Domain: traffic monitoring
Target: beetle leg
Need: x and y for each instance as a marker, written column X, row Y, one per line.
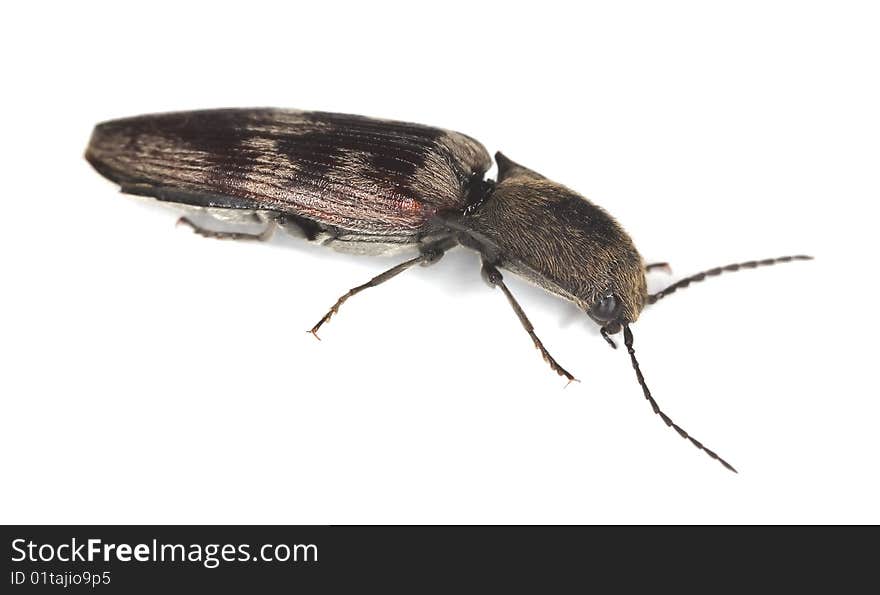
column 663, row 266
column 263, row 236
column 429, row 255
column 493, row 277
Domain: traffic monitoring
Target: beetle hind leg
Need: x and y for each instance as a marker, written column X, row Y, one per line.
column 429, row 254
column 493, row 277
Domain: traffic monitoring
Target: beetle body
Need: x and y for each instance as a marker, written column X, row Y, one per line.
column 367, row 185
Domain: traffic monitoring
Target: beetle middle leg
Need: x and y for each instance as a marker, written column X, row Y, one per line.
column 493, row 277
column 429, row 255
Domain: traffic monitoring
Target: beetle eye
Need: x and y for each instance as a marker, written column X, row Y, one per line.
column 606, row 308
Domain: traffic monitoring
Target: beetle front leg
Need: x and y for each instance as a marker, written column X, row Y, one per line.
column 262, row 236
column 429, row 255
column 494, row 278
column 663, row 266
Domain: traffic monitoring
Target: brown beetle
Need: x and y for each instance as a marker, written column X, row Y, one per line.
column 369, row 186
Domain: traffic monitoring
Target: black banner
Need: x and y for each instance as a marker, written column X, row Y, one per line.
column 126, row 559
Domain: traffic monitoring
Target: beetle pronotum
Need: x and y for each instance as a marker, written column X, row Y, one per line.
column 374, row 186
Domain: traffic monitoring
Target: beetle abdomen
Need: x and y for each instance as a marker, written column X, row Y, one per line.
column 373, row 177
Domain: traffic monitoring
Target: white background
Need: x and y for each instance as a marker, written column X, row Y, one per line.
column 151, row 375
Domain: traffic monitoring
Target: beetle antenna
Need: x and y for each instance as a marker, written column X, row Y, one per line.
column 725, row 269
column 628, row 341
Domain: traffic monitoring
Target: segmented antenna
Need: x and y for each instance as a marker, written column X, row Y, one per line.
column 725, row 269
column 628, row 341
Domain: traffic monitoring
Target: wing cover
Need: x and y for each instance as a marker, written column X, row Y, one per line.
column 370, row 176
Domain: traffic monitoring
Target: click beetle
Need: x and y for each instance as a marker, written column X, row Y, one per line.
column 370, row 186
